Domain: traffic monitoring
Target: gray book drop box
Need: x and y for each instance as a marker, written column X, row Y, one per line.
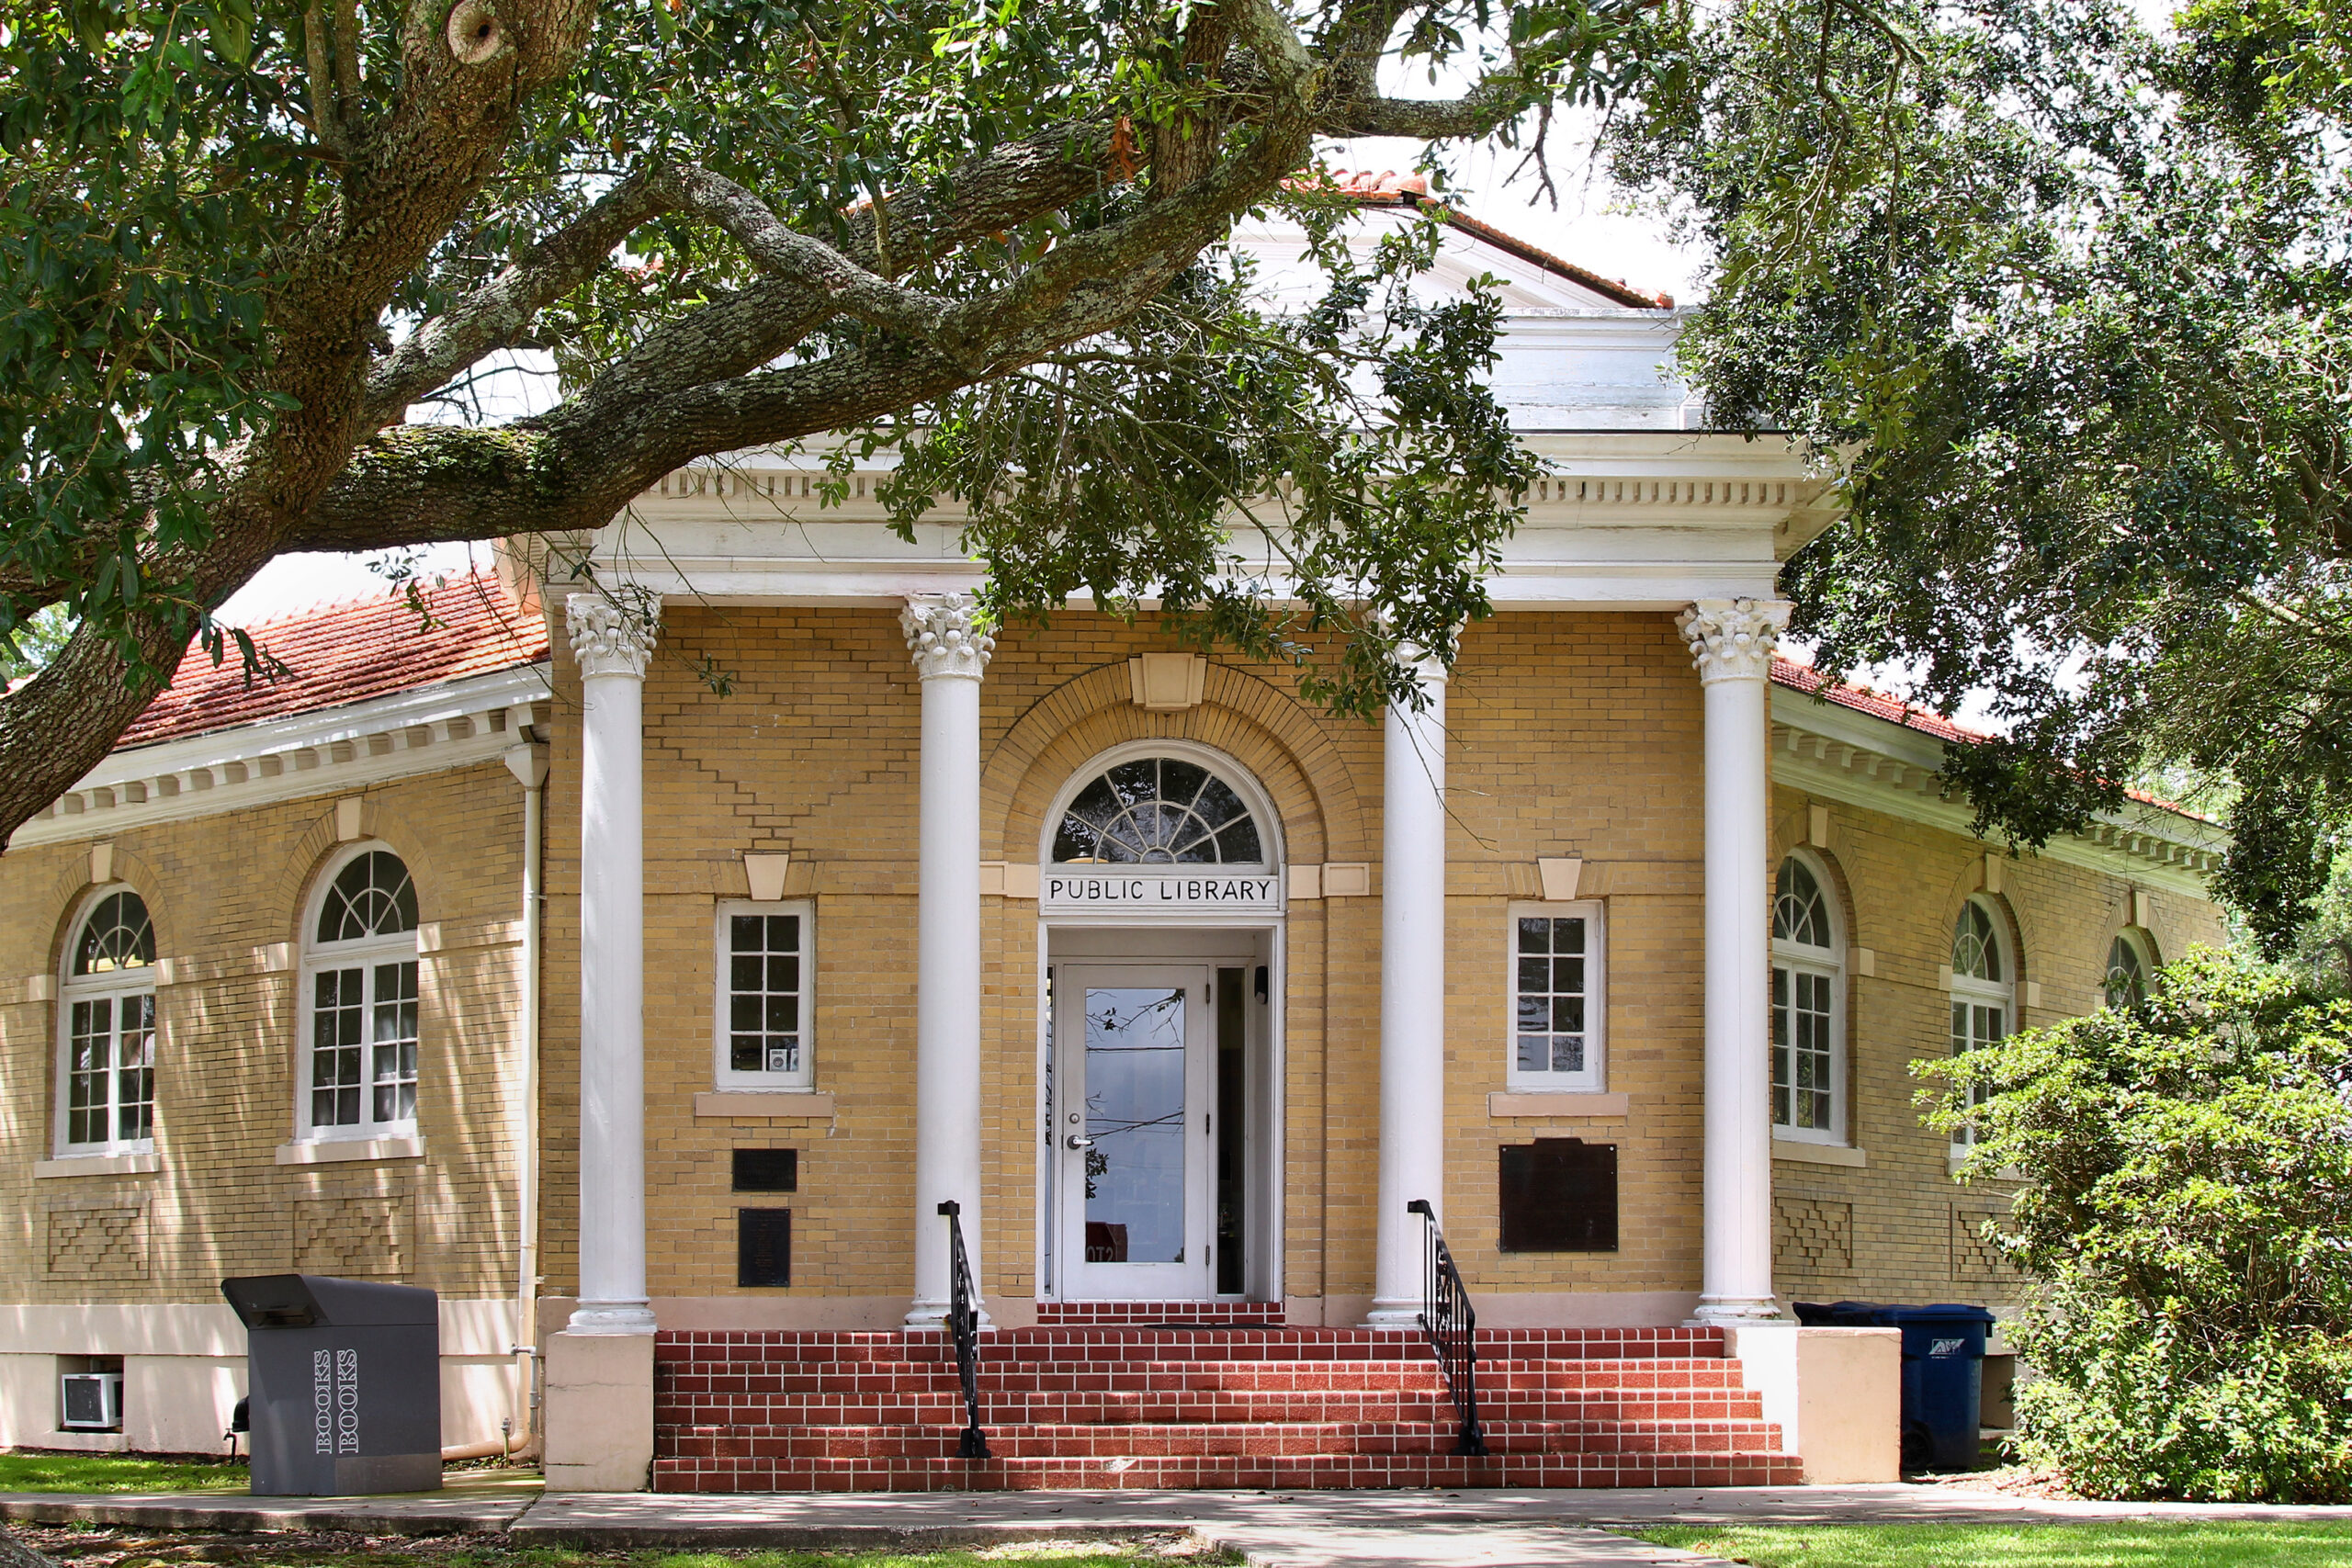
column 344, row 1381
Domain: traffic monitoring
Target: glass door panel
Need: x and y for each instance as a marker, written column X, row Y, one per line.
column 1132, row 1070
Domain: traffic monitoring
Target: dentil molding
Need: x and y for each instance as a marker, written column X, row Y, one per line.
column 945, row 638
column 1732, row 640
column 607, row 639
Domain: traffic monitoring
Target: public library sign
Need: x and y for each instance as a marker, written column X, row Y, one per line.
column 1142, row 892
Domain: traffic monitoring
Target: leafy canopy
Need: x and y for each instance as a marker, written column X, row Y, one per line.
column 2185, row 1169
column 2075, row 300
column 253, row 244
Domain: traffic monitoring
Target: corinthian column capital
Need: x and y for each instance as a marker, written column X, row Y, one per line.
column 1732, row 640
column 945, row 638
column 607, row 639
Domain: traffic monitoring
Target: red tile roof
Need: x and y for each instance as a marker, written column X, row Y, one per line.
column 347, row 652
column 1878, row 704
column 1927, row 721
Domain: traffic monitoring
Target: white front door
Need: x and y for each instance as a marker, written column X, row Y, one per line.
column 1134, row 1066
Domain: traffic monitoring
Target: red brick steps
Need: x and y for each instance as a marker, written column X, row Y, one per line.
column 1109, row 1394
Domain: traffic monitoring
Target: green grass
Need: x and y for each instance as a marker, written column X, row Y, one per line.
column 116, row 1473
column 2187, row 1544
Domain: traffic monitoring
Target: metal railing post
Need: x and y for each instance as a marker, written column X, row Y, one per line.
column 1452, row 1325
column 964, row 1323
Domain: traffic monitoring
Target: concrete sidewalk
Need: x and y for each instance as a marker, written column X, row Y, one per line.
column 1278, row 1529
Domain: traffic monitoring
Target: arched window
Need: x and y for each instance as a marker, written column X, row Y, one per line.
column 1808, row 1007
column 1982, row 990
column 2127, row 970
column 1159, row 810
column 106, row 1087
column 359, row 980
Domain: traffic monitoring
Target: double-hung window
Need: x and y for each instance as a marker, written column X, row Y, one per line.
column 1808, row 1008
column 1558, row 998
column 1983, row 996
column 765, row 996
column 107, row 1028
column 359, row 1056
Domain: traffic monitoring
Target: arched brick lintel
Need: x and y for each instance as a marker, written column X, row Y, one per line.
column 1281, row 740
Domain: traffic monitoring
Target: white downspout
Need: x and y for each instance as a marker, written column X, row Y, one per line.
column 529, row 763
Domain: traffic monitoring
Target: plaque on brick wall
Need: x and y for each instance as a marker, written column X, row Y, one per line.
column 767, row 1170
column 763, row 1247
column 1559, row 1195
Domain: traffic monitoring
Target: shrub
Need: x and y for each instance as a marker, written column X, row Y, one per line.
column 2185, row 1214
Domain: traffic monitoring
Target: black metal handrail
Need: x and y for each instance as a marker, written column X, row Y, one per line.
column 964, row 1323
column 1452, row 1325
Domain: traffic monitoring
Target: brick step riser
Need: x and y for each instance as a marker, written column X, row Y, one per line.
column 1286, row 1343
column 1553, row 1374
column 946, row 1406
column 1200, row 1383
column 1336, row 1440
column 1252, row 1473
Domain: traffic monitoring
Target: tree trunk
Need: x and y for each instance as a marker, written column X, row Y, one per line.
column 15, row 1553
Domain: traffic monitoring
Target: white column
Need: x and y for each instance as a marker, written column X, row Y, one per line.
column 950, row 652
column 612, row 648
column 1731, row 642
column 1412, row 995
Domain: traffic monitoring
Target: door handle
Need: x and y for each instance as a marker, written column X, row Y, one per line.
column 1075, row 1142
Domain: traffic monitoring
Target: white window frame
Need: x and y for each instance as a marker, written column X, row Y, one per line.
column 1595, row 1076
column 114, row 989
column 723, row 1073
column 1966, row 990
column 1829, row 964
column 365, row 955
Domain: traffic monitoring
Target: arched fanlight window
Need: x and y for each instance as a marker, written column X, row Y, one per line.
column 2126, row 972
column 371, row 896
column 1983, row 1007
column 1808, row 1007
column 1975, row 945
column 359, row 1068
column 107, row 1036
column 1159, row 810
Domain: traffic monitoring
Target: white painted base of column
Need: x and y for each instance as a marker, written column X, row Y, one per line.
column 934, row 1315
column 1735, row 1312
column 612, row 1317
column 599, row 1412
column 1391, row 1315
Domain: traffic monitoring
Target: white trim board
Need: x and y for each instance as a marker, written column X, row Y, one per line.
column 1879, row 765
column 435, row 728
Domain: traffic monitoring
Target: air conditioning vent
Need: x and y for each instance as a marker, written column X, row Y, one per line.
column 92, row 1401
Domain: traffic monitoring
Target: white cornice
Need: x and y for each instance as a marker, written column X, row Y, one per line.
column 1620, row 519
column 455, row 724
column 1879, row 765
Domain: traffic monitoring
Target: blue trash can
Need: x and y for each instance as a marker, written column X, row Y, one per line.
column 1943, row 1366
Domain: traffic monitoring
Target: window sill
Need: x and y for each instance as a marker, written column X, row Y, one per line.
column 98, row 1165
column 1529, row 1102
column 776, row 1104
column 331, row 1151
column 1807, row 1152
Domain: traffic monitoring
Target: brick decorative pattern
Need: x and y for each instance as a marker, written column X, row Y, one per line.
column 93, row 1246
column 1815, row 1234
column 358, row 1236
column 1974, row 1254
column 1244, row 1407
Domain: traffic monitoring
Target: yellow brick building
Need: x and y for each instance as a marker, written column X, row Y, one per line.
column 1179, row 987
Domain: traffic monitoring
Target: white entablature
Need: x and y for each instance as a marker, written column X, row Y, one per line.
column 1620, row 519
